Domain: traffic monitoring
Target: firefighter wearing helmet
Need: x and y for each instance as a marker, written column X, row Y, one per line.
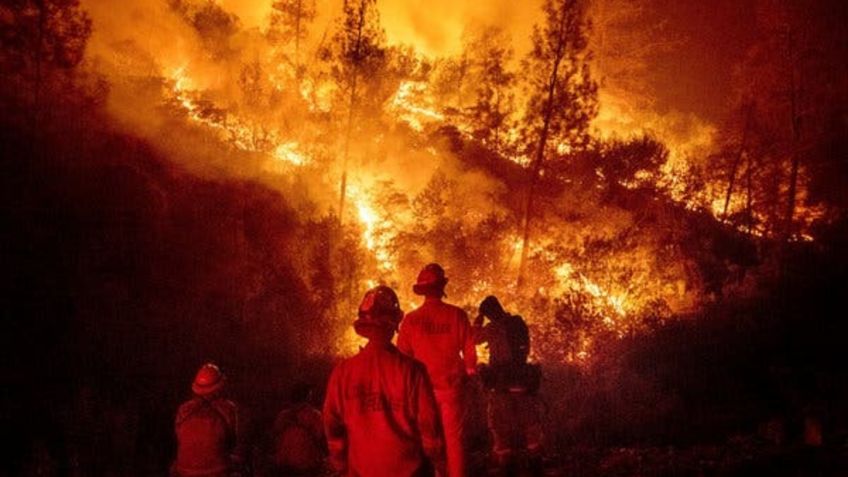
column 512, row 386
column 439, row 335
column 380, row 415
column 207, row 429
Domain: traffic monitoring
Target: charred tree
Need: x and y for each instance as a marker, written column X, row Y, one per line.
column 41, row 42
column 795, row 121
column 737, row 160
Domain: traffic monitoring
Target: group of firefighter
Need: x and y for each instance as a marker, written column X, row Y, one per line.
column 393, row 411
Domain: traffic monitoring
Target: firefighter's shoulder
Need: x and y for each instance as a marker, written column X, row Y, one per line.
column 341, row 367
column 412, row 315
column 457, row 311
column 410, row 321
column 226, row 405
column 187, row 408
column 404, row 359
column 413, row 365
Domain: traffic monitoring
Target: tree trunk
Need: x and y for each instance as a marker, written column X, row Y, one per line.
column 463, row 70
column 749, row 200
column 540, row 155
column 796, row 140
column 346, row 154
column 350, row 111
column 736, row 162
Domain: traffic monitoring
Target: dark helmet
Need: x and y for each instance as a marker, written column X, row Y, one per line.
column 379, row 308
column 431, row 278
column 491, row 307
column 209, row 379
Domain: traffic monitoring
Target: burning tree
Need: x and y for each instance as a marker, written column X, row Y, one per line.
column 358, row 55
column 288, row 26
column 494, row 98
column 561, row 97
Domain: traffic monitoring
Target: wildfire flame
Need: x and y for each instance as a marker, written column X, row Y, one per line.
column 617, row 300
column 287, row 152
column 410, row 106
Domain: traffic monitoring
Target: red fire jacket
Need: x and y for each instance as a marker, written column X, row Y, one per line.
column 207, row 437
column 436, row 333
column 298, row 439
column 380, row 416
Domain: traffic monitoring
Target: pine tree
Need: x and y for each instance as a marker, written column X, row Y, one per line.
column 562, row 96
column 358, row 59
column 624, row 39
column 214, row 26
column 289, row 22
column 794, row 73
column 490, row 54
column 40, row 39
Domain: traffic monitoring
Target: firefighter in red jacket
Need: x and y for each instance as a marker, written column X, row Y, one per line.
column 207, row 429
column 439, row 335
column 380, row 415
column 298, row 444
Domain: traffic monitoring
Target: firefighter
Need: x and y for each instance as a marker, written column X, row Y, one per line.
column 298, row 436
column 207, row 429
column 512, row 385
column 439, row 335
column 380, row 415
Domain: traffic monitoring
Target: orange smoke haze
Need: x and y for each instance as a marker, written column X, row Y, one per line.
column 669, row 99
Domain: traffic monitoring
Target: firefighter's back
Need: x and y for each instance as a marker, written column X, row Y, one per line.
column 298, row 438
column 434, row 334
column 204, row 431
column 375, row 391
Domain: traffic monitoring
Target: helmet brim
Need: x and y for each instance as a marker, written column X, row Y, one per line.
column 427, row 288
column 201, row 390
column 365, row 327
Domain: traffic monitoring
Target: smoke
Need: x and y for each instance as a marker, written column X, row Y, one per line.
column 138, row 37
column 148, row 39
column 686, row 135
column 436, row 28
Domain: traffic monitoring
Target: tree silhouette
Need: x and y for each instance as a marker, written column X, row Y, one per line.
column 562, row 96
column 289, row 22
column 41, row 40
column 213, row 25
column 489, row 53
column 791, row 73
column 358, row 55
